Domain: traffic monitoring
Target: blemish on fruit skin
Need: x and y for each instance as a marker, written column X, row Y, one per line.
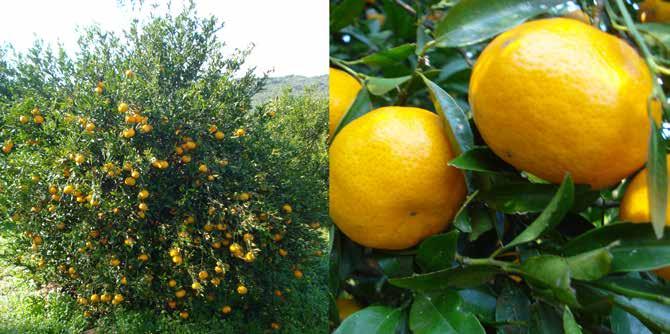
column 506, row 43
column 508, row 154
column 412, row 213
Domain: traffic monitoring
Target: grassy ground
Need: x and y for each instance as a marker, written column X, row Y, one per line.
column 25, row 309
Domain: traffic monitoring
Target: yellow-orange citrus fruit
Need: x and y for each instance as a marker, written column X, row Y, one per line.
column 556, row 95
column 655, row 11
column 343, row 89
column 345, row 307
column 664, row 272
column 634, row 207
column 123, row 107
column 390, row 183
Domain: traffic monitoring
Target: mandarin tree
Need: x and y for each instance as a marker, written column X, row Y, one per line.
column 141, row 176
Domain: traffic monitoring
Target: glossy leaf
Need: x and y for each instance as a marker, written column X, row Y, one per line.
column 396, row 266
column 479, row 302
column 441, row 312
column 637, row 248
column 513, row 306
column 619, row 283
column 657, row 180
column 344, row 13
column 545, row 319
column 591, row 265
column 361, row 106
column 462, row 218
column 552, row 272
column 651, row 314
column 371, row 320
column 623, row 322
column 402, row 23
column 570, row 325
column 473, row 21
column 437, row 252
column 454, row 117
column 381, row 86
column 530, row 197
column 481, row 221
column 551, row 216
column 481, row 159
column 390, row 57
column 459, row 277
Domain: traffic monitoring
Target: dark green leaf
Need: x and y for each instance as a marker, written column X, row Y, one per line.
column 473, row 21
column 625, row 323
column 361, row 106
column 651, row 314
column 345, row 13
column 637, row 250
column 552, row 272
column 459, row 277
column 441, row 312
column 479, row 302
column 513, row 306
column 619, row 283
column 481, row 221
column 381, row 86
column 437, row 252
column 545, row 319
column 551, row 216
column 398, row 20
column 454, row 117
column 371, row 320
column 462, row 218
column 591, row 265
column 640, row 257
column 390, row 57
column 570, row 325
column 657, row 180
column 526, row 197
column 396, row 266
column 481, row 159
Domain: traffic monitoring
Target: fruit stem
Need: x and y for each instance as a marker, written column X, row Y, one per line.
column 506, row 266
column 343, row 65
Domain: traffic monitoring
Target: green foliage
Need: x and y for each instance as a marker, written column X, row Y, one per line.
column 234, row 194
column 524, row 256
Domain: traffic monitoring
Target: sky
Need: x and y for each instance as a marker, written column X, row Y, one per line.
column 290, row 36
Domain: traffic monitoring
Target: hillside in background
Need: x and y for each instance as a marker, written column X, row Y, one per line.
column 274, row 86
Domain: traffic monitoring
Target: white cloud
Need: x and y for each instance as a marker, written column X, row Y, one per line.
column 291, row 36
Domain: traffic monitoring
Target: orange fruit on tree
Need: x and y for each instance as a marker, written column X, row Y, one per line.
column 123, row 107
column 345, row 307
column 634, row 207
column 342, row 90
column 556, row 95
column 390, row 183
column 655, row 11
